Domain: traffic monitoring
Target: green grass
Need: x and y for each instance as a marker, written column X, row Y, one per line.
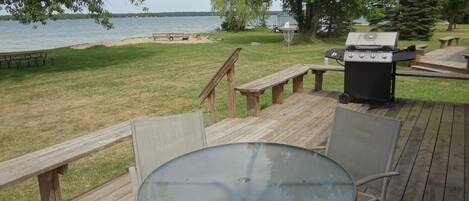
column 90, row 89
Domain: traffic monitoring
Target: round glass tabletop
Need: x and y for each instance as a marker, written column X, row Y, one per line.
column 249, row 172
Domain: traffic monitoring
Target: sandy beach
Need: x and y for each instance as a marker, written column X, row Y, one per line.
column 138, row 40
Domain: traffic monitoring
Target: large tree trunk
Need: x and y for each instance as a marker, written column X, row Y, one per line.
column 310, row 22
column 450, row 23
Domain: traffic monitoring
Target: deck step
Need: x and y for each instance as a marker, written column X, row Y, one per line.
column 430, row 69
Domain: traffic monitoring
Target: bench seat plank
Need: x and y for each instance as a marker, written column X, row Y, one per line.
column 274, row 79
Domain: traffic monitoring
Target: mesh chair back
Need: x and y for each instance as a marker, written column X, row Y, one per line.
column 364, row 144
column 157, row 140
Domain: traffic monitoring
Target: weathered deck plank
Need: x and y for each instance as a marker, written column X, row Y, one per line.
column 437, row 176
column 430, row 145
column 454, row 190
column 397, row 185
column 422, row 164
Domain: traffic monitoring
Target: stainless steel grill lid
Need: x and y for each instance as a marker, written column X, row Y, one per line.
column 372, row 41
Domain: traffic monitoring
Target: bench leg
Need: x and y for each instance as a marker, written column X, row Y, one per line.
column 467, row 62
column 298, row 84
column 277, row 94
column 253, row 103
column 318, row 77
column 450, row 42
column 49, row 185
column 442, row 44
column 457, row 41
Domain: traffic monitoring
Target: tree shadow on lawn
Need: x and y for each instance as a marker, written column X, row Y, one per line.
column 67, row 59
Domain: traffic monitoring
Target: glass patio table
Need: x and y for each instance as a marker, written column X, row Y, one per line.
column 249, row 172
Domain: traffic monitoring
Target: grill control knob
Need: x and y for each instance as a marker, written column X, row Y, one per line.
column 350, row 55
column 384, row 56
column 362, row 55
column 373, row 55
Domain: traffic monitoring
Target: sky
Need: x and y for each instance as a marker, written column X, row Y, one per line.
column 124, row 6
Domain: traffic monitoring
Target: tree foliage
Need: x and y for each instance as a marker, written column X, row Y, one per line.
column 324, row 16
column 414, row 19
column 31, row 11
column 238, row 13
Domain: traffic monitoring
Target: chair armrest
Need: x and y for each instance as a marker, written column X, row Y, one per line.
column 375, row 177
column 320, row 149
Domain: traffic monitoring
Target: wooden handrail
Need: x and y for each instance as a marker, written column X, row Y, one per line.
column 48, row 163
column 208, row 92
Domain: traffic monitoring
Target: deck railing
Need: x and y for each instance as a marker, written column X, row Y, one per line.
column 227, row 69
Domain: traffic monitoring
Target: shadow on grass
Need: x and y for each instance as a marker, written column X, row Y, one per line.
column 67, row 59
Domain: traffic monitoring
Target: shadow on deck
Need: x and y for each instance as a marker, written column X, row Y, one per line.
column 430, row 154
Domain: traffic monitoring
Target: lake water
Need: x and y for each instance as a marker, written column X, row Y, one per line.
column 18, row 37
column 15, row 36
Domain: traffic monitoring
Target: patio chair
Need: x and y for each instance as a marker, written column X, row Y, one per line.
column 156, row 140
column 364, row 145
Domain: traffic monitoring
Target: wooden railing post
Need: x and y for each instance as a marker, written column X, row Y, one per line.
column 228, row 70
column 318, row 80
column 49, row 185
column 212, row 111
column 231, row 80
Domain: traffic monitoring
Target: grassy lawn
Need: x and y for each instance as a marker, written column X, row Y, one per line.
column 90, row 89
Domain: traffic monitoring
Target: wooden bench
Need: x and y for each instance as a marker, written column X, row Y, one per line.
column 448, row 41
column 48, row 163
column 171, row 36
column 319, row 70
column 253, row 90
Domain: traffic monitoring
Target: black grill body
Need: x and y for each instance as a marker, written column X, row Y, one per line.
column 370, row 66
column 369, row 81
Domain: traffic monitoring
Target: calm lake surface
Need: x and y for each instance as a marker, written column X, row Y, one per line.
column 18, row 37
column 15, row 36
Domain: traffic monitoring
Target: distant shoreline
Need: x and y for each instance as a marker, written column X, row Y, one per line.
column 127, row 15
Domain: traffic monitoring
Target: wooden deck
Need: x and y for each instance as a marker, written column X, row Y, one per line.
column 449, row 59
column 431, row 151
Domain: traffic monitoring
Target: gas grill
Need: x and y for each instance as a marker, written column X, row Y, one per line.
column 370, row 66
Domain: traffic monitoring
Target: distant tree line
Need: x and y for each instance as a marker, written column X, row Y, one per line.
column 414, row 19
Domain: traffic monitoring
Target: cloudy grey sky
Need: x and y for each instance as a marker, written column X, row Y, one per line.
column 123, row 6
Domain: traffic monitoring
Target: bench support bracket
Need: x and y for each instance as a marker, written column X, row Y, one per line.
column 277, row 93
column 318, row 77
column 467, row 64
column 49, row 185
column 253, row 102
column 298, row 84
